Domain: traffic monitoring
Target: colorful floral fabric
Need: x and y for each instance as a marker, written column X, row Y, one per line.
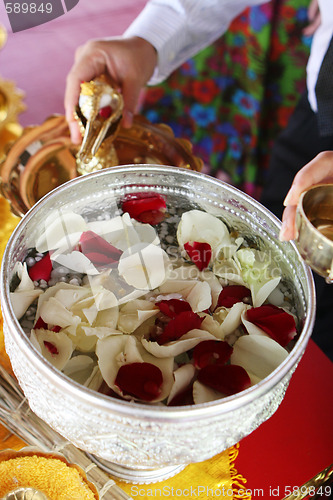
column 233, row 98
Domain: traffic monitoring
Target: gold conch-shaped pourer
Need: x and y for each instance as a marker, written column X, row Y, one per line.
column 98, row 113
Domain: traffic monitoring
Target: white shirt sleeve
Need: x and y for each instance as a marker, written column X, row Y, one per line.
column 178, row 29
column 320, row 43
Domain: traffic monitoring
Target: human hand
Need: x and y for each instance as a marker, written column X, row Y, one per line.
column 317, row 171
column 314, row 18
column 127, row 62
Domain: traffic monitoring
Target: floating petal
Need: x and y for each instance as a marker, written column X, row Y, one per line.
column 199, row 253
column 232, row 294
column 61, row 230
column 183, row 379
column 145, row 207
column 226, row 379
column 211, row 352
column 42, row 269
column 26, row 282
column 204, row 394
column 22, row 300
column 259, row 355
column 199, row 226
column 273, row 321
column 56, row 347
column 144, row 266
column 174, row 348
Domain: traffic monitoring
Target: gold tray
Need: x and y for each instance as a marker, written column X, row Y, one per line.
column 43, row 158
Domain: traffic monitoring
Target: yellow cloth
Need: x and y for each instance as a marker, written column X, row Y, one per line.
column 214, row 478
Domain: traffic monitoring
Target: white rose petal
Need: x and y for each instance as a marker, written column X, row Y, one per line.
column 144, row 266
column 234, row 318
column 204, row 394
column 22, row 300
column 134, row 313
column 200, row 297
column 113, row 352
column 258, row 355
column 62, row 344
column 196, row 225
column 75, row 261
column 175, row 347
column 26, row 283
column 183, row 377
column 61, row 230
column 53, row 312
column 259, row 297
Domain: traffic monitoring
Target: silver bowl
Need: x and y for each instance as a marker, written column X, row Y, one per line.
column 137, row 442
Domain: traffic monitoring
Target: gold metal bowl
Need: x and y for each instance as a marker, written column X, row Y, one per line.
column 314, row 221
column 43, row 158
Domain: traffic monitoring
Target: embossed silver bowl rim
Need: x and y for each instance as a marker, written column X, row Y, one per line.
column 139, row 411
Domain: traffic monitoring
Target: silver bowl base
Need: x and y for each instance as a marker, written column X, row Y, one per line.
column 136, row 476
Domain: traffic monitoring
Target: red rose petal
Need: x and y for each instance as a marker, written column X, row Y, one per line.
column 183, row 398
column 105, row 112
column 173, row 307
column 148, row 208
column 40, row 323
column 210, row 352
column 140, row 380
column 227, row 379
column 276, row 322
column 199, row 253
column 177, row 327
column 97, row 249
column 42, row 269
column 51, row 348
column 232, row 294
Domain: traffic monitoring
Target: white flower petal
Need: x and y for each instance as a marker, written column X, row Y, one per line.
column 204, row 394
column 61, row 230
column 54, row 312
column 183, row 344
column 134, row 313
column 26, row 282
column 258, row 355
column 75, row 261
column 113, row 352
column 251, row 328
column 52, row 291
column 196, row 225
column 82, row 342
column 177, row 286
column 146, row 233
column 107, row 318
column 144, row 266
column 21, row 301
column 84, row 370
column 69, row 296
column 59, row 340
column 183, row 376
column 259, row 297
column 100, row 331
column 212, row 326
column 234, row 318
column 200, row 297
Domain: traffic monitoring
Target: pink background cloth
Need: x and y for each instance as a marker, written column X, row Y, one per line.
column 37, row 60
